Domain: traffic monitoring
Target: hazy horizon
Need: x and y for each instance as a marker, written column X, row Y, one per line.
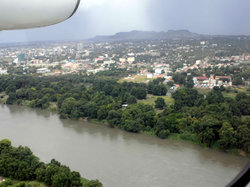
column 106, row 17
column 86, row 39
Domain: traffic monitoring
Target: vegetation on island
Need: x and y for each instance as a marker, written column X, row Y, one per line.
column 210, row 118
column 21, row 166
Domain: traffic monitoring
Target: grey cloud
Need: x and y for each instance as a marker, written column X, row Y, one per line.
column 201, row 16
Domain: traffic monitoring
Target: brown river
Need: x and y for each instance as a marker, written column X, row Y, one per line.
column 115, row 157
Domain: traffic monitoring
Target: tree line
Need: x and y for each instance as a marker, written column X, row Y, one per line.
column 19, row 163
column 209, row 119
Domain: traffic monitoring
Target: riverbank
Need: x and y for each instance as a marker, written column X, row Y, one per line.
column 29, row 169
column 115, row 157
column 214, row 119
column 194, row 140
column 187, row 137
column 15, row 183
column 190, row 138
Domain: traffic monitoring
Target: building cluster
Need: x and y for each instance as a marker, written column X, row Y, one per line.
column 148, row 58
column 212, row 81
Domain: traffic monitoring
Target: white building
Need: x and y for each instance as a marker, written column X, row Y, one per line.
column 150, row 76
column 122, row 60
column 3, row 71
column 131, row 60
column 198, row 62
column 158, row 71
column 108, row 62
column 42, row 70
column 203, row 43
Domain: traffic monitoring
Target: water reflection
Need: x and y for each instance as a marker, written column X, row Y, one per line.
column 116, row 157
column 84, row 127
column 111, row 134
column 17, row 110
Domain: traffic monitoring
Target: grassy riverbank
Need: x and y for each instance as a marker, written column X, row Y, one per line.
column 195, row 140
column 185, row 137
column 15, row 183
column 210, row 118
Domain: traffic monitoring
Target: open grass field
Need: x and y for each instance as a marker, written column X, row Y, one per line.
column 230, row 94
column 151, row 100
column 235, row 91
column 203, row 91
column 136, row 79
column 15, row 183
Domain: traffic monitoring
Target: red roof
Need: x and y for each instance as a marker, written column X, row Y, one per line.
column 159, row 76
column 223, row 77
column 201, row 78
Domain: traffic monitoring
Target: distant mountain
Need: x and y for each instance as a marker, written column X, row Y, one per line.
column 149, row 35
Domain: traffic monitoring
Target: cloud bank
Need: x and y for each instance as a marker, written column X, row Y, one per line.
column 106, row 17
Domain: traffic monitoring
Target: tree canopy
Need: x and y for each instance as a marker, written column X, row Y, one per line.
column 207, row 118
column 21, row 164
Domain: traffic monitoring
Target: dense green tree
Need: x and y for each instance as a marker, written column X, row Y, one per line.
column 67, row 108
column 227, row 136
column 215, row 96
column 160, row 103
column 94, row 183
column 179, row 78
column 237, row 80
column 170, row 83
column 207, row 136
column 158, row 81
column 150, row 87
column 207, row 118
column 160, row 128
column 244, row 106
column 139, row 92
column 11, row 99
column 243, row 134
column 114, row 118
column 240, row 96
column 131, row 100
column 186, row 97
column 131, row 125
column 20, row 164
column 208, row 129
column 102, row 113
column 4, row 145
column 159, row 90
column 189, row 83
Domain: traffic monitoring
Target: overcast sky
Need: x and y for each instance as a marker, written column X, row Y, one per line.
column 105, row 17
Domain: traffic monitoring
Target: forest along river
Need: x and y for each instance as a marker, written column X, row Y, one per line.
column 115, row 157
